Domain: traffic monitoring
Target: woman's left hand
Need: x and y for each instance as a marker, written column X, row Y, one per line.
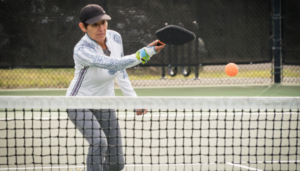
column 141, row 111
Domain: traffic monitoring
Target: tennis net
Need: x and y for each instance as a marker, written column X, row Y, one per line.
column 187, row 133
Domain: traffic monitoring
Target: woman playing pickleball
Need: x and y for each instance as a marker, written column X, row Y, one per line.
column 99, row 59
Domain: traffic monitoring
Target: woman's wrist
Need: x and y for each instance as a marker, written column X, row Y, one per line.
column 145, row 54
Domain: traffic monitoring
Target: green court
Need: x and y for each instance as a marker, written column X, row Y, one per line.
column 255, row 90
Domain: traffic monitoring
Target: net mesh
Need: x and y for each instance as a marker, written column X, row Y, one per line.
column 193, row 133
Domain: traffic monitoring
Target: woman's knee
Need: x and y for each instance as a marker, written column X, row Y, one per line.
column 99, row 142
column 99, row 145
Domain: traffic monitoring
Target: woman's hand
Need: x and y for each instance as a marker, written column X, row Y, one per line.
column 157, row 48
column 141, row 111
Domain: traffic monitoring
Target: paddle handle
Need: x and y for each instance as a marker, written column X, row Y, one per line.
column 159, row 43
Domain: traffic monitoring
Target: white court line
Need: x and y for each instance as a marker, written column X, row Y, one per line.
column 259, row 162
column 267, row 89
column 131, row 165
column 178, row 115
column 246, row 167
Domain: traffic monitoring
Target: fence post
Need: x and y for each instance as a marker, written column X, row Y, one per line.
column 277, row 40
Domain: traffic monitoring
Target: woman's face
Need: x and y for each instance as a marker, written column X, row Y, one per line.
column 97, row 31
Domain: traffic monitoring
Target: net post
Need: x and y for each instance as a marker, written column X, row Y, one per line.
column 277, row 40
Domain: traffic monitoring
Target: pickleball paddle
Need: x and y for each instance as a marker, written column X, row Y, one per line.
column 174, row 35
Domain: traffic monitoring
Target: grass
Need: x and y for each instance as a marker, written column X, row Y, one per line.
column 61, row 78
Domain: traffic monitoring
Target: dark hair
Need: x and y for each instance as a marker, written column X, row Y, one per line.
column 85, row 25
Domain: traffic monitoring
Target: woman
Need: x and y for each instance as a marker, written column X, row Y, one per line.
column 99, row 59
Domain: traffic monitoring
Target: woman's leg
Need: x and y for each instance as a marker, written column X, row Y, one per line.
column 87, row 124
column 109, row 124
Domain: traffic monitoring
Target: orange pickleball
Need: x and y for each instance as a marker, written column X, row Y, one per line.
column 231, row 69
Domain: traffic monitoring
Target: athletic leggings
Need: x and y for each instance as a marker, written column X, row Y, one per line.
column 101, row 129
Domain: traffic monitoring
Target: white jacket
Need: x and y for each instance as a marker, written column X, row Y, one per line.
column 95, row 72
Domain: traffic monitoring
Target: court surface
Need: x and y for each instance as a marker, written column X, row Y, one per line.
column 255, row 90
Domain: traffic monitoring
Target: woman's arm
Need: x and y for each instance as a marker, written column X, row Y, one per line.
column 87, row 56
column 127, row 89
column 124, row 84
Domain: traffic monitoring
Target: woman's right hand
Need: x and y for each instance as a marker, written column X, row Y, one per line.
column 157, row 48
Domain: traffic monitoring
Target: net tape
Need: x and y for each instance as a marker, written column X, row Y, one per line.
column 149, row 102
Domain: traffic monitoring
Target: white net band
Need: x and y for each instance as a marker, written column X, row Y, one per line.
column 56, row 102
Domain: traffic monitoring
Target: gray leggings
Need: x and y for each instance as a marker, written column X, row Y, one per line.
column 101, row 129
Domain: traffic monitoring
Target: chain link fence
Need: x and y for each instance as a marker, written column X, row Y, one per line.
column 250, row 74
column 42, row 34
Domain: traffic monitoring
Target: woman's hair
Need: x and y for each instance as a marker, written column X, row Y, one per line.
column 85, row 25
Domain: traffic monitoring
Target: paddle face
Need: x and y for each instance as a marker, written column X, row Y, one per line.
column 174, row 35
